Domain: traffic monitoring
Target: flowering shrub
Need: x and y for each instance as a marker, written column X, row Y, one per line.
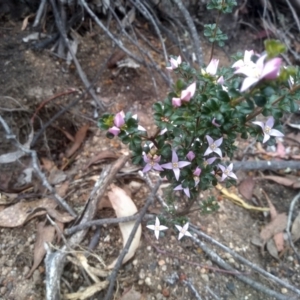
column 206, row 112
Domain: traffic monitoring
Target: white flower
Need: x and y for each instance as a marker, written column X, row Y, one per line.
column 157, row 227
column 183, row 231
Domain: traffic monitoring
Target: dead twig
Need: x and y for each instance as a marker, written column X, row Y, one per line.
column 289, row 223
column 40, row 12
column 83, row 77
column 193, row 31
column 55, row 262
column 220, row 262
column 245, row 261
column 266, row 165
column 192, row 288
column 116, row 221
column 113, row 276
column 35, row 165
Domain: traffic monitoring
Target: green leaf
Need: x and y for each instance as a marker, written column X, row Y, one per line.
column 260, row 100
column 274, row 48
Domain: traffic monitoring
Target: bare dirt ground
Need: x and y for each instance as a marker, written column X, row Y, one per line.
column 159, row 268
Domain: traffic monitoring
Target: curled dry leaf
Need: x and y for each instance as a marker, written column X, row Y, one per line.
column 45, row 234
column 124, row 207
column 101, row 156
column 79, row 138
column 295, row 232
column 246, row 188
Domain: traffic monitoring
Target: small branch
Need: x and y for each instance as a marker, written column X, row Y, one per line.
column 81, row 74
column 193, row 31
column 35, row 164
column 289, row 223
column 39, row 13
column 143, row 211
column 245, row 261
column 76, row 228
column 55, row 262
column 220, row 262
column 193, row 289
column 266, row 165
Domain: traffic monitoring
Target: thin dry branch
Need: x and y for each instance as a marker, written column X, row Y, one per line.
column 266, row 165
column 142, row 213
column 55, row 262
column 83, row 77
column 35, row 165
column 220, row 262
column 245, row 261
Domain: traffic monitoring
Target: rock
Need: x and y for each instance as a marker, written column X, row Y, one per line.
column 148, row 281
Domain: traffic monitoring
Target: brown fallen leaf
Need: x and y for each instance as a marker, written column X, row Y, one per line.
column 279, row 241
column 45, row 234
column 131, row 294
column 246, row 188
column 278, row 179
column 62, row 217
column 101, row 156
column 295, row 231
column 271, row 247
column 17, row 214
column 124, row 207
column 275, row 226
column 79, row 138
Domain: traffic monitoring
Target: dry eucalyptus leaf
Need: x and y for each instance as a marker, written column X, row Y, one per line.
column 271, row 247
column 88, row 292
column 281, row 180
column 295, row 232
column 45, row 234
column 17, row 214
column 79, row 138
column 275, row 226
column 103, row 155
column 124, row 207
column 246, row 188
column 62, row 217
column 279, row 241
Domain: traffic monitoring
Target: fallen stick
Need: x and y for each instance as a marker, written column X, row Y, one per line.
column 266, row 165
column 55, row 262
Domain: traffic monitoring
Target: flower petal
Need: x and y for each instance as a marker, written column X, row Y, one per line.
column 174, row 156
column 275, row 132
column 176, row 102
column 168, row 166
column 261, row 124
column 176, row 173
column 266, row 137
column 248, row 82
column 212, row 67
column 157, row 167
column 209, row 139
column 114, row 130
column 147, row 168
column 271, row 68
column 218, row 151
column 182, row 164
column 270, row 122
column 219, row 141
column 208, row 151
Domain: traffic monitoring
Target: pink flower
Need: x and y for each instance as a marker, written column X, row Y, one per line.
column 190, row 156
column 176, row 102
column 152, row 163
column 119, row 119
column 183, row 231
column 268, row 130
column 215, row 123
column 212, row 67
column 247, row 62
column 196, row 174
column 174, row 63
column 213, row 146
column 188, row 93
column 259, row 71
column 227, row 172
column 175, row 165
column 186, row 190
column 157, row 227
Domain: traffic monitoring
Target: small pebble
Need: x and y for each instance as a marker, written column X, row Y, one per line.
column 284, row 290
column 164, row 268
column 142, row 274
column 135, row 262
column 148, row 281
column 161, row 262
column 205, row 277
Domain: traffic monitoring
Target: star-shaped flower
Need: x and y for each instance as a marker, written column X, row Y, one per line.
column 247, row 62
column 227, row 172
column 186, row 190
column 185, row 96
column 209, row 161
column 174, row 63
column 196, row 174
column 268, row 130
column 183, row 231
column 213, row 146
column 152, row 163
column 157, row 227
column 175, row 165
column 260, row 70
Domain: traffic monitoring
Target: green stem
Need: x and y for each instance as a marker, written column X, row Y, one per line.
column 215, row 32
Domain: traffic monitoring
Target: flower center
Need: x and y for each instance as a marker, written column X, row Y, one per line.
column 156, row 228
column 267, row 129
column 213, row 146
column 226, row 172
column 205, row 164
column 175, row 165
